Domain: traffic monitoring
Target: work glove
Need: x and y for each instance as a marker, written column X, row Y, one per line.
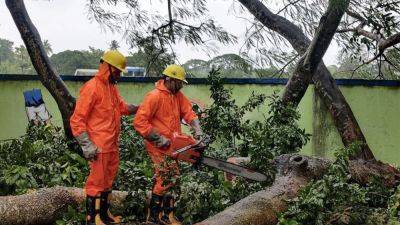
column 132, row 109
column 89, row 149
column 158, row 140
column 197, row 132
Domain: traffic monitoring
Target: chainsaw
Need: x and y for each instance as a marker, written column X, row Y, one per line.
column 186, row 148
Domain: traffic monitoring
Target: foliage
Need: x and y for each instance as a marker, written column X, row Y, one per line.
column 23, row 61
column 164, row 30
column 362, row 29
column 276, row 135
column 336, row 199
column 151, row 57
column 41, row 158
column 262, row 140
column 66, row 62
column 230, row 65
column 16, row 60
column 394, row 208
column 6, row 50
column 224, row 119
column 205, row 192
column 135, row 171
column 9, row 67
column 349, row 67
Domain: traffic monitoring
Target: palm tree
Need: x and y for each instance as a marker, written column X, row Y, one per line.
column 47, row 47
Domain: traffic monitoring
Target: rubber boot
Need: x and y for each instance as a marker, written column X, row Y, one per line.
column 169, row 210
column 105, row 213
column 93, row 211
column 154, row 208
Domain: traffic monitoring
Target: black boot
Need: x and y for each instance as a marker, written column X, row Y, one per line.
column 169, row 210
column 154, row 209
column 105, row 213
column 93, row 211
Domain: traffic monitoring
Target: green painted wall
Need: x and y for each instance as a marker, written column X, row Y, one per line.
column 374, row 107
column 376, row 110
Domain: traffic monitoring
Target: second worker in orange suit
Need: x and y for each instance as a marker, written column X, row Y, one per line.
column 158, row 117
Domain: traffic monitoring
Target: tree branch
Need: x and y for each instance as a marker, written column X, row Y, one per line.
column 383, row 44
column 356, row 16
column 360, row 31
column 282, row 70
column 287, row 6
column 325, row 85
column 368, row 34
column 324, row 34
column 171, row 30
column 390, row 62
column 389, row 42
column 346, row 30
column 306, row 67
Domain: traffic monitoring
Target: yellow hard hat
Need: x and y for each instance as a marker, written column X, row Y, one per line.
column 116, row 59
column 175, row 71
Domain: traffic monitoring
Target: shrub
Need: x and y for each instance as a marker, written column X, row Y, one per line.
column 337, row 200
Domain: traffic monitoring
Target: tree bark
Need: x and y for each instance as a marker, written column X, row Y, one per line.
column 45, row 206
column 325, row 85
column 47, row 74
column 294, row 171
column 309, row 62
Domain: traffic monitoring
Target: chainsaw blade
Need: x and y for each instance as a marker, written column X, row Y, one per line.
column 233, row 169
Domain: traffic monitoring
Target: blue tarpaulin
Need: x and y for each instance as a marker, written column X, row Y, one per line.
column 33, row 97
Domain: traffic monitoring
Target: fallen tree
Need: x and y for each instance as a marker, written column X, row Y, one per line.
column 46, row 205
column 294, row 171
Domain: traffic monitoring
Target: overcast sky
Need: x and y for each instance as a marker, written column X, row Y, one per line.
column 66, row 25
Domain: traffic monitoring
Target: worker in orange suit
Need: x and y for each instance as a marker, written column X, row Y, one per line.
column 158, row 117
column 96, row 126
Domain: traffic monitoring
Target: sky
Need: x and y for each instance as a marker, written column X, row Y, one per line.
column 65, row 24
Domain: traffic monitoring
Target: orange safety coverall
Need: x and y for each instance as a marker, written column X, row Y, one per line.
column 162, row 111
column 98, row 112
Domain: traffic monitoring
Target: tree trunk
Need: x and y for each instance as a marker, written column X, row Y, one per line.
column 309, row 62
column 325, row 85
column 47, row 74
column 45, row 206
column 294, row 171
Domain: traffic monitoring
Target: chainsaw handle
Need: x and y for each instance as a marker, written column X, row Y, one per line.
column 203, row 143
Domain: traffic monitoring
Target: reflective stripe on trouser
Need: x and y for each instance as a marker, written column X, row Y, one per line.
column 102, row 173
column 163, row 169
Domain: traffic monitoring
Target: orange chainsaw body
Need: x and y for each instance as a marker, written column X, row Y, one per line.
column 182, row 148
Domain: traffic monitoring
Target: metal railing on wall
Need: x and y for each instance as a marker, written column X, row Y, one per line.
column 260, row 81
